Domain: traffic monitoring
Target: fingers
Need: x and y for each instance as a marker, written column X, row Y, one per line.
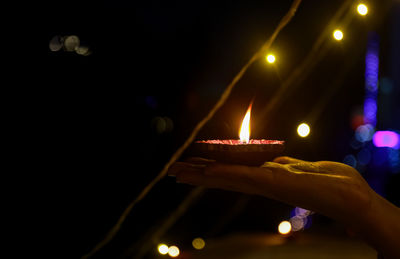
column 287, row 160
column 227, row 177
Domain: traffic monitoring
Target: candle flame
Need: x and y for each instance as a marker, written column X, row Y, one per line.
column 244, row 132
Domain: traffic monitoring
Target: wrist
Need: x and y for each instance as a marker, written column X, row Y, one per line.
column 381, row 227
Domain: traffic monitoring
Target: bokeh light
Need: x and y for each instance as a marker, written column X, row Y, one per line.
column 284, row 227
column 364, row 156
column 303, row 130
column 56, row 43
column 83, row 50
column 162, row 124
column 364, row 133
column 71, row 43
column 371, row 79
column 394, row 160
column 173, row 251
column 338, row 35
column 198, row 243
column 270, row 58
column 297, row 222
column 362, row 9
column 162, row 249
column 350, row 160
column 386, row 139
column 302, row 212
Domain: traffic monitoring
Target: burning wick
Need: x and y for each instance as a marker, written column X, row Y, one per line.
column 244, row 151
column 244, row 133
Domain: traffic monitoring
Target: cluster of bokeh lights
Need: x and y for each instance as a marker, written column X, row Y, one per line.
column 172, row 251
column 299, row 220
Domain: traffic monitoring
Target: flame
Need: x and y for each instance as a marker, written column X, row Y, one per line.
column 244, row 132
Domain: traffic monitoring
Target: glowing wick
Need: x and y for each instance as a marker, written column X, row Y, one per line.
column 244, row 132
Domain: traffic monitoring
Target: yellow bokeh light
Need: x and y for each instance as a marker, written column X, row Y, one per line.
column 162, row 249
column 284, row 227
column 362, row 9
column 198, row 243
column 270, row 58
column 173, row 251
column 303, row 130
column 338, row 35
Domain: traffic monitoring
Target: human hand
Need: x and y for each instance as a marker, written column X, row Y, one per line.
column 333, row 189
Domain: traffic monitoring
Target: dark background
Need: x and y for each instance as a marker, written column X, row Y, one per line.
column 88, row 124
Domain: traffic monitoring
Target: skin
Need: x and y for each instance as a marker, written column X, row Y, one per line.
column 333, row 189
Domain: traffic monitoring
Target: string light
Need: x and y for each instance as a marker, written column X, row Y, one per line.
column 284, row 227
column 338, row 35
column 362, row 9
column 270, row 58
column 173, row 251
column 303, row 130
column 198, row 243
column 162, row 249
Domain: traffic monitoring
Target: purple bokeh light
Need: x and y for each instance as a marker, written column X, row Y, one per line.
column 386, row 139
column 371, row 79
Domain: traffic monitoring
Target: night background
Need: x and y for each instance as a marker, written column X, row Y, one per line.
column 103, row 125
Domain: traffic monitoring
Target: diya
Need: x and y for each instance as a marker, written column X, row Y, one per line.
column 245, row 151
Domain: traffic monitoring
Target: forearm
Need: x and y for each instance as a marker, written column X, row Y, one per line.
column 381, row 228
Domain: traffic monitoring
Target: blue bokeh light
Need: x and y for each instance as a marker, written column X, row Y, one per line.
column 350, row 160
column 364, row 156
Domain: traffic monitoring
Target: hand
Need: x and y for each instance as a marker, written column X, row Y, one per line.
column 330, row 188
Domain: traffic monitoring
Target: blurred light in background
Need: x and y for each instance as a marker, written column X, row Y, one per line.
column 350, row 160
column 386, row 139
column 362, row 9
column 162, row 249
column 394, row 160
column 371, row 79
column 56, row 43
column 355, row 144
column 364, row 133
column 297, row 223
column 338, row 35
column 198, row 243
column 302, row 212
column 270, row 58
column 173, row 251
column 386, row 85
column 284, row 227
column 83, row 50
column 303, row 130
column 71, row 43
column 300, row 218
column 364, row 156
column 162, row 124
column 357, row 120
